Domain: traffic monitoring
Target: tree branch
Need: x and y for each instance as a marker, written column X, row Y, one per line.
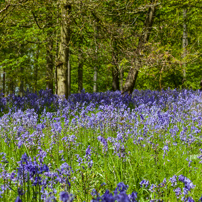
column 35, row 19
column 6, row 8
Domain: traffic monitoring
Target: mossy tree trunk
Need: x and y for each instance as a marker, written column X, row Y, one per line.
column 133, row 72
column 63, row 55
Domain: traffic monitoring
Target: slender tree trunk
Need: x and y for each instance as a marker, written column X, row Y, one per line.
column 69, row 77
column 1, row 81
column 80, row 77
column 184, row 43
column 133, row 72
column 11, row 85
column 115, row 78
column 121, row 78
column 96, row 63
column 115, row 70
column 49, row 63
column 57, row 52
column 160, row 79
column 36, row 70
column 80, row 68
column 63, row 56
column 49, row 75
column 4, row 81
column 35, row 78
column 95, row 80
column 49, row 52
column 21, row 81
column 21, row 77
column 56, row 82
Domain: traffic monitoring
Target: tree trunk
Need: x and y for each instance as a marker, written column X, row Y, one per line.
column 4, row 81
column 57, row 53
column 115, row 69
column 49, row 63
column 95, row 80
column 35, row 78
column 96, row 63
column 49, row 72
column 80, row 68
column 115, row 78
column 184, row 43
column 133, row 72
column 121, row 78
column 69, row 77
column 49, row 52
column 21, row 81
column 56, row 82
column 11, row 86
column 1, row 82
column 80, row 77
column 36, row 70
column 130, row 80
column 63, row 57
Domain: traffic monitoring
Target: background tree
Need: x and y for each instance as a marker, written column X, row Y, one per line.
column 109, row 45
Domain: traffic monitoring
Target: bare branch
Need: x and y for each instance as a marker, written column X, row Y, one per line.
column 35, row 18
column 6, row 8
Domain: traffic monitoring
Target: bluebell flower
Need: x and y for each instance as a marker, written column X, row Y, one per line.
column 177, row 191
column 189, row 199
column 20, row 192
column 188, row 184
column 173, row 180
column 51, row 199
column 103, row 184
column 18, row 199
column 144, row 182
column 152, row 187
column 79, row 159
column 122, row 197
column 133, row 197
column 107, row 196
column 121, row 187
column 185, row 191
column 181, row 178
column 94, row 192
column 65, row 196
column 104, row 143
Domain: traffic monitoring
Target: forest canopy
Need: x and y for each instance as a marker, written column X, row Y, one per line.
column 99, row 45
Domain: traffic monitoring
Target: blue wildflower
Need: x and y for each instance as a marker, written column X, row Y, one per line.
column 18, row 199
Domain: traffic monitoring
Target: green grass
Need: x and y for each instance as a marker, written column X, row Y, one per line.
column 144, row 160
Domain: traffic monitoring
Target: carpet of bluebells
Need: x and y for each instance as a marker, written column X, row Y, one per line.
column 102, row 147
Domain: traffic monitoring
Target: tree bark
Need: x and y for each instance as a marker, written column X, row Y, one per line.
column 11, row 85
column 49, row 51
column 57, row 53
column 21, row 81
column 56, row 82
column 95, row 80
column 96, row 63
column 69, row 77
column 49, row 61
column 80, row 77
column 115, row 78
column 1, row 82
column 184, row 43
column 63, row 57
column 121, row 78
column 115, row 69
column 4, row 81
column 36, row 66
column 49, row 71
column 133, row 72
